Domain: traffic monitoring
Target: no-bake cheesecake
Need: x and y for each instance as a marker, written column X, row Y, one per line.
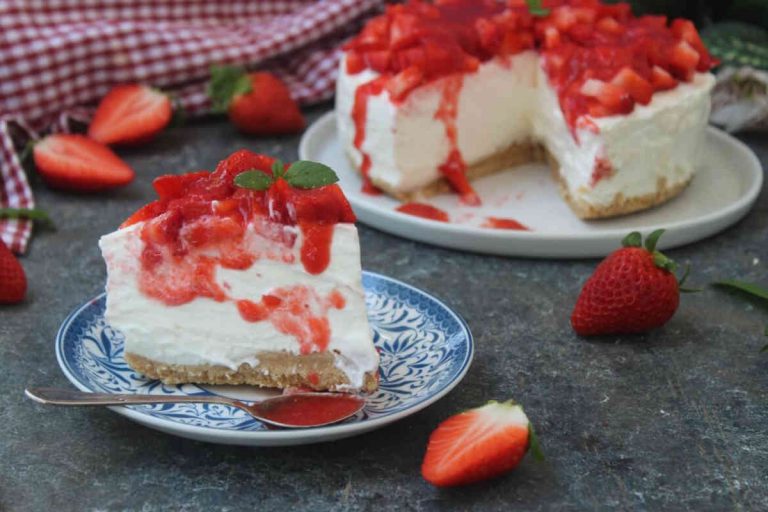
column 431, row 96
column 246, row 275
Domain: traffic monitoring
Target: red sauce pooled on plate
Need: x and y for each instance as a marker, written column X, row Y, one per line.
column 502, row 223
column 425, row 211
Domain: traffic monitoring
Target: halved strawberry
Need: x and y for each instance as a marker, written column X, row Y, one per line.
column 661, row 79
column 614, row 98
column 402, row 83
column 130, row 114
column 75, row 162
column 637, row 86
column 478, row 444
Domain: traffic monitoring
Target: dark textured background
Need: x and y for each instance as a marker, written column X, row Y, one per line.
column 675, row 419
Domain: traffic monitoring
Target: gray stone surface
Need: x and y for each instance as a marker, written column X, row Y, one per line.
column 675, row 419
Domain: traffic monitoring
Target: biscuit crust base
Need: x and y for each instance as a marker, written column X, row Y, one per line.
column 316, row 371
column 518, row 154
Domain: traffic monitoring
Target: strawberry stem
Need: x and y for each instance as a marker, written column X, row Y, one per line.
column 33, row 214
column 226, row 83
column 634, row 239
column 533, row 444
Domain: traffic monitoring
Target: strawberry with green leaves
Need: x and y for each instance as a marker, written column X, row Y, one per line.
column 633, row 290
column 257, row 103
column 479, row 444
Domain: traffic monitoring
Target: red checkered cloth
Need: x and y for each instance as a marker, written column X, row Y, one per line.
column 59, row 55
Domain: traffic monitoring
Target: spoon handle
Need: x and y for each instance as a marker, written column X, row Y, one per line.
column 57, row 396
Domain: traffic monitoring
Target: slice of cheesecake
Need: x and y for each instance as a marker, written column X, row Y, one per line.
column 246, row 275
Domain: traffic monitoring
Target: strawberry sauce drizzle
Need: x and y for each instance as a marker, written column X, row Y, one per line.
column 202, row 223
column 360, row 116
column 454, row 168
column 502, row 223
column 297, row 311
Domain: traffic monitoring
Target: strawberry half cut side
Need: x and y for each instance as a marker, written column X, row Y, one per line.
column 478, row 444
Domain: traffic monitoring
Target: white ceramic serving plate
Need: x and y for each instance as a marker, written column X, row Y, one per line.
column 724, row 189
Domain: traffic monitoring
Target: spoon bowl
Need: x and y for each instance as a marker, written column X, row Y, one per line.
column 295, row 410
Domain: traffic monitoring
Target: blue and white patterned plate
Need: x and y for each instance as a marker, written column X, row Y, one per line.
column 426, row 349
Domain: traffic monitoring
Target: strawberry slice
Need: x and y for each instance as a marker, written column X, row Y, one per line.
column 478, row 444
column 130, row 114
column 75, row 162
column 661, row 80
column 405, row 81
column 683, row 60
column 615, row 99
column 637, row 86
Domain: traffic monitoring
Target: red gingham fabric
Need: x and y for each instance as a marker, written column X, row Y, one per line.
column 57, row 56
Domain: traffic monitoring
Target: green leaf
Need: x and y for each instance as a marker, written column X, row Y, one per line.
column 634, row 239
column 226, row 83
column 536, row 9
column 278, row 169
column 662, row 261
column 254, row 180
column 533, row 444
column 653, row 239
column 306, row 174
column 743, row 286
column 34, row 214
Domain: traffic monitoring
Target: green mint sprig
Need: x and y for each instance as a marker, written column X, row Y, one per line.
column 303, row 174
column 536, row 9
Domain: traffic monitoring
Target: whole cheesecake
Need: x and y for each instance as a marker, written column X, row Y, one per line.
column 431, row 96
column 219, row 283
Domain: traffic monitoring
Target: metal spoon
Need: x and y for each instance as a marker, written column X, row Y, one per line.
column 298, row 410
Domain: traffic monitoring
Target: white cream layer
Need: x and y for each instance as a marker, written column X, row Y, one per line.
column 213, row 333
column 504, row 103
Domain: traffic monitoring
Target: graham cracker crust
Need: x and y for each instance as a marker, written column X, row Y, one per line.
column 620, row 205
column 275, row 370
column 518, row 154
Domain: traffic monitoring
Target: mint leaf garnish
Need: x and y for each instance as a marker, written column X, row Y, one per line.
column 743, row 286
column 278, row 169
column 254, row 180
column 306, row 174
column 536, row 9
column 226, row 83
column 34, row 214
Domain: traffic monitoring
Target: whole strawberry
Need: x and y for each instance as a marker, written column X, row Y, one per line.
column 257, row 103
column 633, row 290
column 13, row 281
